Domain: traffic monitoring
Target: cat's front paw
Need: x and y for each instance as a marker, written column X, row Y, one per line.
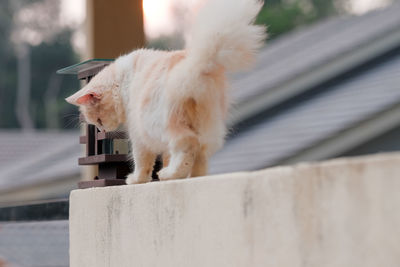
column 135, row 179
column 169, row 174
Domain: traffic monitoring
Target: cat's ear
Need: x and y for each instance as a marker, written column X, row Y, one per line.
column 88, row 99
column 83, row 98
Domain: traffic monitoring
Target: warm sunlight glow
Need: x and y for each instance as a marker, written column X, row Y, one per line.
column 157, row 17
column 73, row 11
column 362, row 6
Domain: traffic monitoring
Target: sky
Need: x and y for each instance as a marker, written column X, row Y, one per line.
column 159, row 16
column 360, row 7
column 73, row 11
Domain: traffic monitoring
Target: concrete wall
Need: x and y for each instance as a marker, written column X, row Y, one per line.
column 344, row 212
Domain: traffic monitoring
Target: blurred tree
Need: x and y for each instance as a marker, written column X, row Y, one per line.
column 49, row 89
column 167, row 42
column 33, row 45
column 282, row 16
column 7, row 68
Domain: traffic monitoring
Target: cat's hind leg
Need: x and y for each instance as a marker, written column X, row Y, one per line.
column 183, row 152
column 165, row 159
column 144, row 163
column 200, row 165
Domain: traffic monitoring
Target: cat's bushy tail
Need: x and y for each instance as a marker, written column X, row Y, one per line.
column 223, row 34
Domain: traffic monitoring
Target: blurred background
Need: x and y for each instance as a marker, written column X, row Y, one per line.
column 326, row 84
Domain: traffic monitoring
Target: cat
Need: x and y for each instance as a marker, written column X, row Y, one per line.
column 175, row 103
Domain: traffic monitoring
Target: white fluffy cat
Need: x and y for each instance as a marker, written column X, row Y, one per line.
column 175, row 103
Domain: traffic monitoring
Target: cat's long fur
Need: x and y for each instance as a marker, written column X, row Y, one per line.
column 175, row 103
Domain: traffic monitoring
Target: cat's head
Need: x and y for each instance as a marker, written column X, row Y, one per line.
column 99, row 101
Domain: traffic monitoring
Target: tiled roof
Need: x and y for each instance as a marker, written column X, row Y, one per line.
column 318, row 118
column 31, row 244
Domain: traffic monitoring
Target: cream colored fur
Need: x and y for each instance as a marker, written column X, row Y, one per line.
column 175, row 103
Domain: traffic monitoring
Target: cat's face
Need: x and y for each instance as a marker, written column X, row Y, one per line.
column 97, row 103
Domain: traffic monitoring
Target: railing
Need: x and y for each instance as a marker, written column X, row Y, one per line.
column 49, row 210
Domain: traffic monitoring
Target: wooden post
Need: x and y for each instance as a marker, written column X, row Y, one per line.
column 114, row 27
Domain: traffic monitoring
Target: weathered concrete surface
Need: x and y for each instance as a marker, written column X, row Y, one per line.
column 343, row 212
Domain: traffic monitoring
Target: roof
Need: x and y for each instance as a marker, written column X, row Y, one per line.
column 304, row 51
column 35, row 243
column 321, row 117
column 28, row 158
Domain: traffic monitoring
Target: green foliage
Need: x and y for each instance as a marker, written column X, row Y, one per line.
column 45, row 59
column 166, row 42
column 284, row 16
column 8, row 75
